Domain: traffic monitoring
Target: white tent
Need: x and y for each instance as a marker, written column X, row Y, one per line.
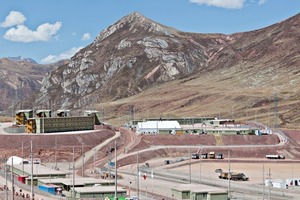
column 155, row 126
column 15, row 159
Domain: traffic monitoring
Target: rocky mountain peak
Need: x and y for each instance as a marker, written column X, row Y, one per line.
column 135, row 17
column 133, row 23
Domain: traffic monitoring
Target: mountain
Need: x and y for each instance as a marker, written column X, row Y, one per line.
column 20, row 58
column 128, row 57
column 19, row 80
column 140, row 66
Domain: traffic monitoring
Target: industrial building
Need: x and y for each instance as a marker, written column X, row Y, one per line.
column 59, row 124
column 155, row 127
column 23, row 172
column 173, row 127
column 99, row 192
column 181, row 121
column 229, row 131
column 43, row 122
column 199, row 192
column 67, row 183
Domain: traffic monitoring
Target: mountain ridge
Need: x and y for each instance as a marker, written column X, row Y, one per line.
column 136, row 54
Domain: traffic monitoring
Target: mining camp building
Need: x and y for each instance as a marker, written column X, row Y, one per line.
column 155, row 127
column 100, row 192
column 198, row 192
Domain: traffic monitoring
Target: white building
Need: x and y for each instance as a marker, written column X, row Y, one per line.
column 154, row 127
column 276, row 183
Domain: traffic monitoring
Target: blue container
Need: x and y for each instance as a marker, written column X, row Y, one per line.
column 48, row 188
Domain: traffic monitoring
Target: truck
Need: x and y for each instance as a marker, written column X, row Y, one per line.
column 235, row 176
column 275, row 156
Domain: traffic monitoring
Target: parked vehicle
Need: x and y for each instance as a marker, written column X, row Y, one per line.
column 219, row 156
column 211, row 155
column 275, row 156
column 195, row 155
column 235, row 176
column 204, row 155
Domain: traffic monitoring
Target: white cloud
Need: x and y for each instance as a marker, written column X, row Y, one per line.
column 23, row 34
column 13, row 18
column 86, row 36
column 65, row 55
column 231, row 4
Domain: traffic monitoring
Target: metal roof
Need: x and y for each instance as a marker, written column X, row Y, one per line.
column 158, row 125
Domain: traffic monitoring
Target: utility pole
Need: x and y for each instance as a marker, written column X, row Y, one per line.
column 275, row 111
column 56, row 152
column 22, row 159
column 6, row 195
column 12, row 179
column 269, row 175
column 116, row 172
column 229, row 174
column 190, row 170
column 82, row 160
column 94, row 159
column 137, row 175
column 31, row 182
column 73, row 192
column 263, row 193
column 200, row 159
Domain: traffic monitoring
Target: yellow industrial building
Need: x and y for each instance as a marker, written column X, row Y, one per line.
column 43, row 122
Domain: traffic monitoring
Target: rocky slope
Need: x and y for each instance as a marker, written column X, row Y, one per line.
column 128, row 57
column 19, row 79
column 145, row 67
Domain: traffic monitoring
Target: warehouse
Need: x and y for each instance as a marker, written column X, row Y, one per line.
column 67, row 183
column 198, row 191
column 181, row 121
column 39, row 171
column 155, row 127
column 100, row 192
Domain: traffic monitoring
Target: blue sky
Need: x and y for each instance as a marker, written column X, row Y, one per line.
column 50, row 30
